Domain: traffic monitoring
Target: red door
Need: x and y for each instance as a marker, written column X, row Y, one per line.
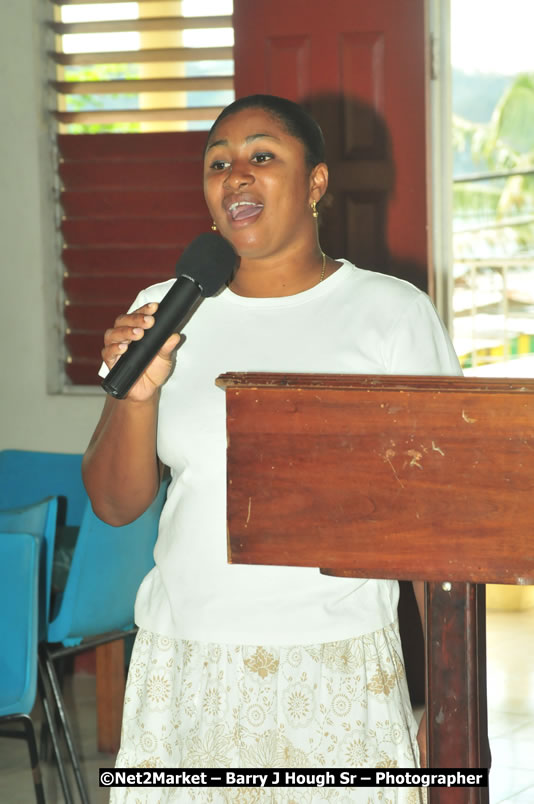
column 360, row 66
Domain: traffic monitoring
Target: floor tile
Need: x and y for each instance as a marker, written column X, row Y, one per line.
column 513, row 751
column 526, row 797
column 508, row 783
column 503, row 723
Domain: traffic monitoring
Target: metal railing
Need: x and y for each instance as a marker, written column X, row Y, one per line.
column 493, row 296
column 493, row 304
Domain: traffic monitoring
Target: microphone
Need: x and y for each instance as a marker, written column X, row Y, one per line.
column 206, row 264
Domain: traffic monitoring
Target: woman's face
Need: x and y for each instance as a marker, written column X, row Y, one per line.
column 257, row 185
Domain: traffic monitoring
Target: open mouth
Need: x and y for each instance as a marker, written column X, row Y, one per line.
column 242, row 210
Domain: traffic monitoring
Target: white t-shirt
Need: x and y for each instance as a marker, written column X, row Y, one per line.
column 354, row 322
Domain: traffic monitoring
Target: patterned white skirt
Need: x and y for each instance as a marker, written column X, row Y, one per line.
column 333, row 705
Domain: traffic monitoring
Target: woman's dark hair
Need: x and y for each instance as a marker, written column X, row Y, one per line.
column 293, row 117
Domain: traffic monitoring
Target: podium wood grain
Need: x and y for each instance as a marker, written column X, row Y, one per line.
column 408, row 477
column 418, row 478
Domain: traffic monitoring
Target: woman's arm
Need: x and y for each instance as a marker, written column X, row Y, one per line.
column 120, row 468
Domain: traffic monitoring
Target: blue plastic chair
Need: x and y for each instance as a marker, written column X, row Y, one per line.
column 108, row 565
column 97, row 605
column 22, row 556
column 27, row 476
column 40, row 519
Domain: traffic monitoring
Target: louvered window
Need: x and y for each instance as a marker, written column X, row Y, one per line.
column 136, row 85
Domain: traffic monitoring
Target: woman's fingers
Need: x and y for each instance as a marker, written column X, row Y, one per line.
column 127, row 328
column 169, row 346
column 131, row 327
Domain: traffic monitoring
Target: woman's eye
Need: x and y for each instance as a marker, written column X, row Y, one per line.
column 262, row 157
column 219, row 164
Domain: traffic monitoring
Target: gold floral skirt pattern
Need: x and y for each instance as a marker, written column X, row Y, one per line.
column 333, row 705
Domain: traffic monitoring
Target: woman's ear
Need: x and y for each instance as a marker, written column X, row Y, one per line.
column 318, row 182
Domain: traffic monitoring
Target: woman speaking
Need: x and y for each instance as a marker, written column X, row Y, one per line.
column 252, row 666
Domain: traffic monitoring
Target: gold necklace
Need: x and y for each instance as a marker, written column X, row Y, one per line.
column 323, row 268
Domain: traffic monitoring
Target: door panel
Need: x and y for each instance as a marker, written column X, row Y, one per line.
column 360, row 67
column 288, row 64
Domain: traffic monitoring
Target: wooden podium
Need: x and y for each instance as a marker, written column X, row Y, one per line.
column 417, row 478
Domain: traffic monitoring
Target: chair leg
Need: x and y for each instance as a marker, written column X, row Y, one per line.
column 44, row 746
column 34, row 759
column 65, row 722
column 49, row 715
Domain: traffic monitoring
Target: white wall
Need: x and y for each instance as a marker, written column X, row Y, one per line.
column 31, row 418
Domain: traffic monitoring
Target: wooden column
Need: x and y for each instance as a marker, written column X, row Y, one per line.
column 456, row 673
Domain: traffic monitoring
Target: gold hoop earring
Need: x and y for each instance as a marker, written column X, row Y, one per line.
column 213, row 227
column 314, row 209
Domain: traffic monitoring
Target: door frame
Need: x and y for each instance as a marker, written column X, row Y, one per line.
column 439, row 167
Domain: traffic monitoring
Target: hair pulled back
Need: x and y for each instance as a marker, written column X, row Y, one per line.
column 292, row 116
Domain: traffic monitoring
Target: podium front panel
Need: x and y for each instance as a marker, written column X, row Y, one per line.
column 390, row 477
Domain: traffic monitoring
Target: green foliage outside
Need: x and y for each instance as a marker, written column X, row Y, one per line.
column 506, row 143
column 83, row 103
column 494, row 220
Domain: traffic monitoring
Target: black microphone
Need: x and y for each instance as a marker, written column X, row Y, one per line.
column 206, row 264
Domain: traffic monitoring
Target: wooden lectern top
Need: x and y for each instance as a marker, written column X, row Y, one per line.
column 403, row 477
